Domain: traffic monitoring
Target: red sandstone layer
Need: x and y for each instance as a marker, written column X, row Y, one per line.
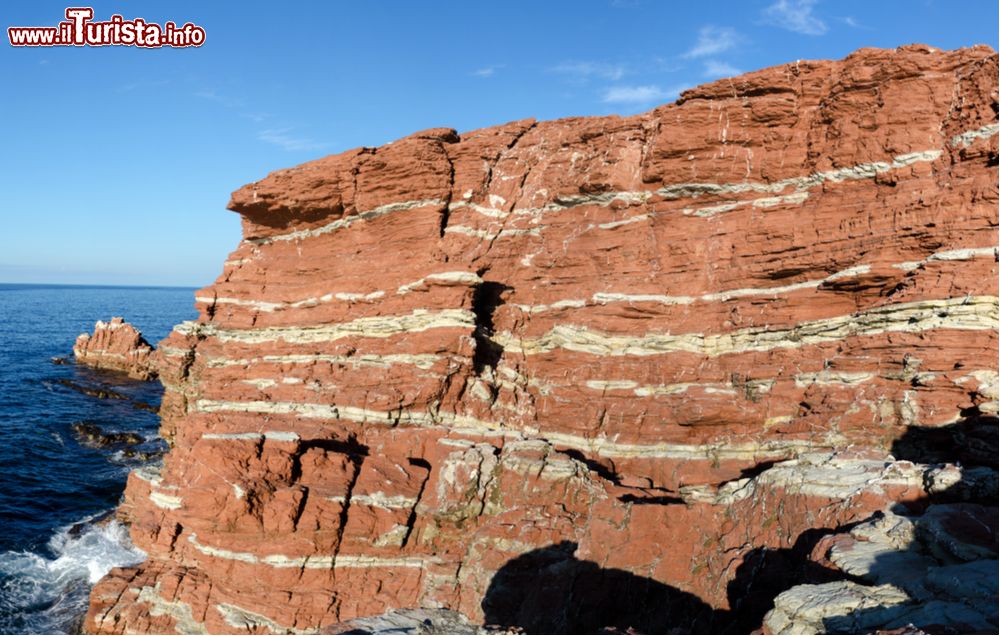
column 116, row 346
column 428, row 363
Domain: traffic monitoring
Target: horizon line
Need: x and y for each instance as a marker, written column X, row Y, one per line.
column 101, row 285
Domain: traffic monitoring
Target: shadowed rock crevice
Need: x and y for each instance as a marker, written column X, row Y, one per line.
column 424, row 467
column 356, row 463
column 767, row 572
column 550, row 591
column 604, row 470
column 934, row 572
column 446, row 207
column 651, row 500
column 927, row 564
column 971, row 441
column 351, row 448
column 487, row 296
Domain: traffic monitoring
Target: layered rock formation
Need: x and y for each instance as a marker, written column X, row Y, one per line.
column 593, row 372
column 117, row 346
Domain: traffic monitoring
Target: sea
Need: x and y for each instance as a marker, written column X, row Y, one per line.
column 57, row 488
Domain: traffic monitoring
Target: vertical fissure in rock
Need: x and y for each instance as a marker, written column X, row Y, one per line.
column 485, row 300
column 356, row 453
column 348, row 493
column 411, row 520
column 300, row 508
column 187, row 362
column 446, row 208
column 488, row 181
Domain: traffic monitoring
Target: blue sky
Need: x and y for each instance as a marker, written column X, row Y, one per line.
column 118, row 161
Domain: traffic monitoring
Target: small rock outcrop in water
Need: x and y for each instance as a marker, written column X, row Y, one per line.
column 613, row 372
column 105, row 393
column 128, row 444
column 117, row 346
column 93, row 435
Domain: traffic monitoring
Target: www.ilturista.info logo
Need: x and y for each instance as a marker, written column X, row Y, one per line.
column 79, row 30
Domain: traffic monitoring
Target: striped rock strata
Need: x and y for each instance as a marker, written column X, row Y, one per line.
column 117, row 346
column 630, row 353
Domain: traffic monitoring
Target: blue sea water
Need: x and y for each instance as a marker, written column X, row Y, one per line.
column 54, row 490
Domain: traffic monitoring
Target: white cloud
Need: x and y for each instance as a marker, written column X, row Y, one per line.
column 212, row 96
column 230, row 103
column 796, row 16
column 126, row 88
column 280, row 137
column 665, row 65
column 855, row 24
column 487, row 71
column 257, row 118
column 713, row 40
column 638, row 94
column 715, row 69
column 586, row 70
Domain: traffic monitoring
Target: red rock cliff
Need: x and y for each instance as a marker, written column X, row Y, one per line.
column 637, row 351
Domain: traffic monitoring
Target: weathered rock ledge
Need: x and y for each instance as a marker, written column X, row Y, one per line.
column 625, row 372
column 117, row 346
column 934, row 571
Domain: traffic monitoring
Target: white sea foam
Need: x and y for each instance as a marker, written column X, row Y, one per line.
column 49, row 593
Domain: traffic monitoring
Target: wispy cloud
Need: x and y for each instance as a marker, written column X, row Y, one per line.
column 587, row 70
column 212, row 96
column 639, row 95
column 235, row 104
column 486, row 71
column 277, row 134
column 660, row 64
column 855, row 24
column 715, row 69
column 128, row 88
column 282, row 138
column 795, row 16
column 713, row 40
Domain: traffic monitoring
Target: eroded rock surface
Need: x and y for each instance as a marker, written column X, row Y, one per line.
column 117, row 346
column 935, row 572
column 411, row 621
column 617, row 372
